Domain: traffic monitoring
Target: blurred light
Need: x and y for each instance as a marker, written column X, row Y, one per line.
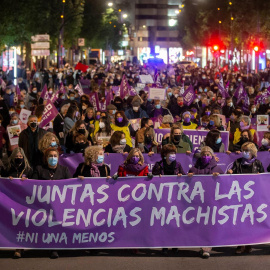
column 219, row 22
column 124, row 24
column 119, row 10
column 232, row 18
column 125, row 16
column 172, row 22
column 64, row 1
column 230, row 3
column 144, row 26
column 176, row 11
column 110, row 22
column 183, row 5
column 114, row 26
column 256, row 48
column 218, row 9
column 110, row 4
column 215, row 47
column 62, row 16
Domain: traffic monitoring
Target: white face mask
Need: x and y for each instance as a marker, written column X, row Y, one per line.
column 135, row 109
column 84, row 107
column 101, row 125
column 123, row 141
column 265, row 142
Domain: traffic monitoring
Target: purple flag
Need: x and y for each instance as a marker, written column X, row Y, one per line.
column 239, row 91
column 133, row 212
column 222, row 89
column 189, row 95
column 62, row 88
column 3, row 84
column 124, row 87
column 44, row 94
column 261, row 98
column 49, row 113
column 79, row 88
column 55, row 96
column 116, row 90
column 94, row 100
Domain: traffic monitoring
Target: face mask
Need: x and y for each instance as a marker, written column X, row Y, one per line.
column 187, row 120
column 14, row 122
column 84, row 107
column 239, row 80
column 18, row 161
column 232, row 118
column 81, row 131
column 52, row 161
column 72, row 98
column 170, row 94
column 123, row 141
column 135, row 109
column 181, row 103
column 62, row 97
column 206, row 159
column 22, row 106
column 205, row 90
column 253, row 110
column 53, row 144
column 120, row 119
column 196, row 100
column 50, row 92
column 11, row 112
column 177, row 138
column 98, row 117
column 134, row 160
column 230, row 104
column 211, row 122
column 102, row 125
column 192, row 117
column 203, row 77
column 219, row 140
column 35, row 91
column 244, row 139
column 204, row 124
column 158, row 106
column 33, row 124
column 172, row 157
column 114, row 111
column 265, row 142
column 207, row 113
column 100, row 159
column 176, row 95
column 148, row 139
column 242, row 126
column 246, row 155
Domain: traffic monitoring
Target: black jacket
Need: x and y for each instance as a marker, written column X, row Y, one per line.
column 237, row 168
column 44, row 173
column 108, row 149
column 18, row 172
column 84, row 170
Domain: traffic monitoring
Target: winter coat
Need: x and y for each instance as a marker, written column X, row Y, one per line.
column 184, row 139
column 84, row 170
column 211, row 167
column 43, row 173
column 159, row 168
column 122, row 171
column 257, row 166
column 130, row 113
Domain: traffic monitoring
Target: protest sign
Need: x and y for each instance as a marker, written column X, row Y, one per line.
column 157, row 93
column 49, row 113
column 13, row 134
column 134, row 212
column 24, row 114
column 262, row 122
column 189, row 95
column 146, row 79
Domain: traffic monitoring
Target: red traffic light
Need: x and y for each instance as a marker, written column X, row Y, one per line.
column 215, row 47
column 256, row 48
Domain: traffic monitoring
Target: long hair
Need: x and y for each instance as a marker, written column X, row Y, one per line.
column 211, row 137
column 116, row 137
column 13, row 156
column 108, row 128
column 45, row 142
column 75, row 128
column 131, row 153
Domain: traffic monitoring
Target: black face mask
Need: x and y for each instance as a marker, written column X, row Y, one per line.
column 244, row 139
column 79, row 147
column 18, row 161
column 152, row 126
column 81, row 131
column 33, row 125
column 177, row 138
column 148, row 139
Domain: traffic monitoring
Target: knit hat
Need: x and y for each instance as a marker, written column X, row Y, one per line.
column 167, row 119
column 207, row 149
column 187, row 112
column 136, row 101
column 111, row 107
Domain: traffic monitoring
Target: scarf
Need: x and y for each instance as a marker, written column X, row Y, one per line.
column 216, row 147
column 136, row 168
column 119, row 148
column 247, row 162
column 94, row 171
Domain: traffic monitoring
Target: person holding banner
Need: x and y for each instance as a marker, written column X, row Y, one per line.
column 248, row 164
column 246, row 136
column 265, row 142
column 179, row 139
column 134, row 165
column 93, row 165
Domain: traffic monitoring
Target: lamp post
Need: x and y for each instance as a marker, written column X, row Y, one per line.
column 61, row 36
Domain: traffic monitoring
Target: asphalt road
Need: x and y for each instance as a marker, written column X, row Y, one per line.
column 221, row 258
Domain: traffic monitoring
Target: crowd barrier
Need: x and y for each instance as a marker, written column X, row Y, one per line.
column 135, row 212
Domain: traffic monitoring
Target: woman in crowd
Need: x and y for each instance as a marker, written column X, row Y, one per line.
column 15, row 121
column 187, row 123
column 104, row 131
column 90, row 120
column 149, row 146
column 248, row 164
column 179, row 139
column 244, row 125
column 51, row 170
column 93, row 165
column 70, row 119
column 167, row 121
column 122, row 124
column 80, row 143
column 206, row 164
column 246, row 136
column 265, row 142
column 134, row 165
column 118, row 143
column 49, row 140
column 214, row 123
column 214, row 141
column 233, row 124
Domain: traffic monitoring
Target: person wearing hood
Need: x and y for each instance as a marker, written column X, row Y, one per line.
column 136, row 111
column 179, row 139
column 118, row 103
column 248, row 164
column 245, row 123
column 206, row 164
column 158, row 110
column 167, row 121
column 187, row 124
column 134, row 165
column 93, row 165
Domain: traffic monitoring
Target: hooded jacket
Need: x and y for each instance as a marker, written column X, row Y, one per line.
column 211, row 167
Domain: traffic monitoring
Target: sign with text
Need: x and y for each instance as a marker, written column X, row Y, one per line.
column 157, row 93
column 146, row 79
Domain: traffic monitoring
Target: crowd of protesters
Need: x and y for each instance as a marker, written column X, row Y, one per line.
column 80, row 128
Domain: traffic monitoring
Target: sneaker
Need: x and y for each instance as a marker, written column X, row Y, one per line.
column 54, row 255
column 17, row 254
column 240, row 250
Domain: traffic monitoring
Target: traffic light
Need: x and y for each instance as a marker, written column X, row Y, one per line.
column 256, row 48
column 215, row 48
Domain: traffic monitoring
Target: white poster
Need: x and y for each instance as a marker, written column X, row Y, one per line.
column 13, row 134
column 157, row 93
column 24, row 115
column 262, row 122
column 146, row 79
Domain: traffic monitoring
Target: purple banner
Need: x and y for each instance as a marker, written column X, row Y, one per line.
column 195, row 136
column 49, row 113
column 135, row 212
column 94, row 100
column 189, row 95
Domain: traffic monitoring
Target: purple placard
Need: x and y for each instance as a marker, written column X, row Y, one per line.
column 135, row 212
column 49, row 113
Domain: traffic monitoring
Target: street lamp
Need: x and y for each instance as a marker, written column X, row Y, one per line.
column 110, row 4
column 125, row 16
